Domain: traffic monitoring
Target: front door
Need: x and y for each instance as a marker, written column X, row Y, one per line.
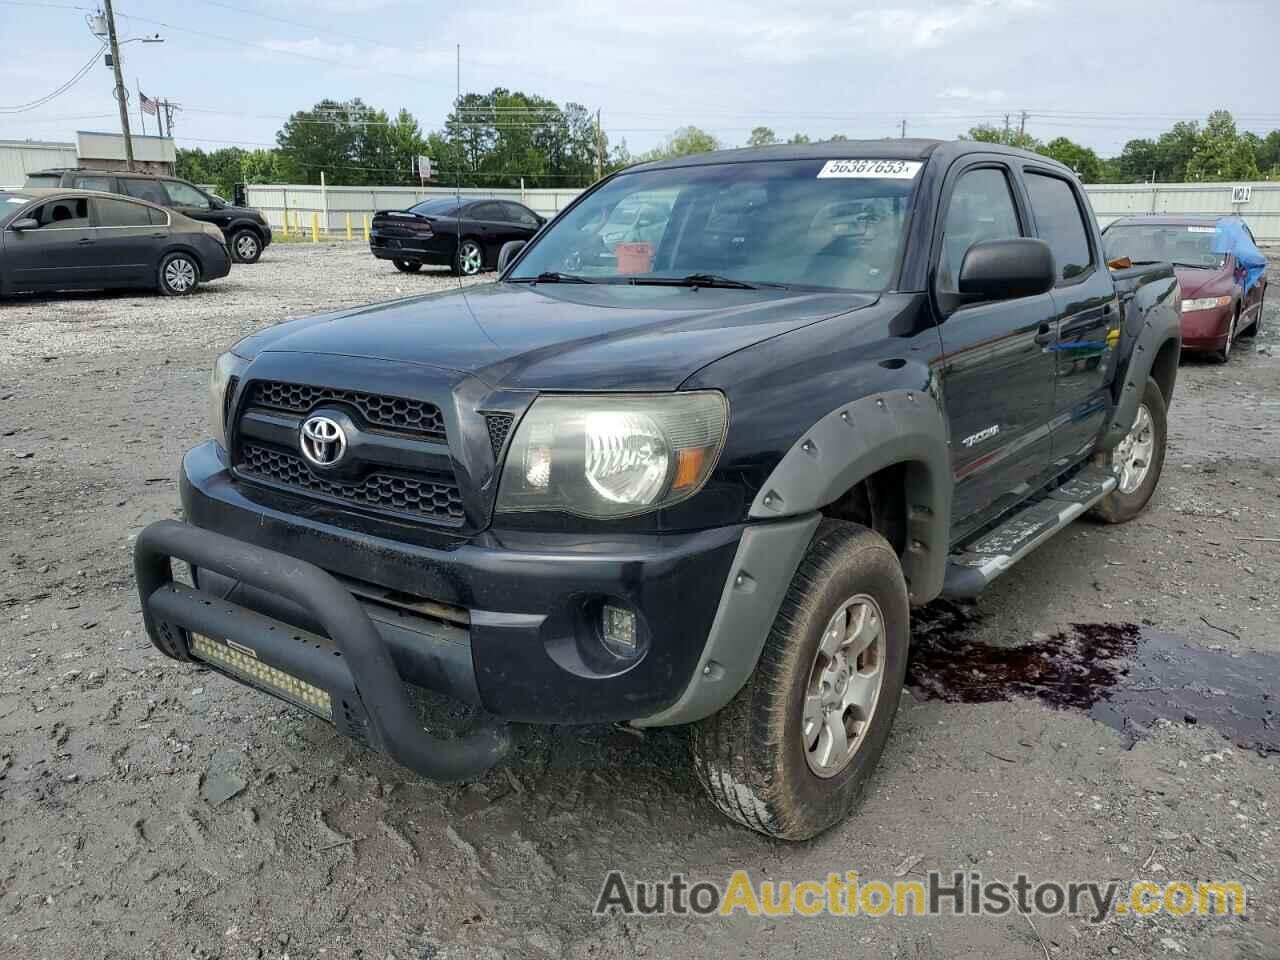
column 56, row 255
column 997, row 367
column 1087, row 313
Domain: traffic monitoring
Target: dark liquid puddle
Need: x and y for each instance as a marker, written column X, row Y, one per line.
column 1124, row 675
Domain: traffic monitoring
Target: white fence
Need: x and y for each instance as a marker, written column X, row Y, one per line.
column 1262, row 210
column 333, row 205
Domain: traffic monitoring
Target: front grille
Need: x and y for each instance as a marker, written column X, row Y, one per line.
column 436, row 500
column 499, row 425
column 397, row 414
column 227, row 399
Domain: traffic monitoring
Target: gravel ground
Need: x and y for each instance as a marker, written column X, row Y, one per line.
column 149, row 809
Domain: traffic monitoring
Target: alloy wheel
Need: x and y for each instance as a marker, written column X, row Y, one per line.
column 180, row 274
column 469, row 258
column 1133, row 455
column 844, row 685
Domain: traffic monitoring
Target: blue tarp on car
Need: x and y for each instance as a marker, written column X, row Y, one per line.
column 1231, row 237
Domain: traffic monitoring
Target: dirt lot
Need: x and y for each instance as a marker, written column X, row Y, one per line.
column 151, row 810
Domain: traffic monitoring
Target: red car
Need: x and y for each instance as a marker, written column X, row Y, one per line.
column 1216, row 309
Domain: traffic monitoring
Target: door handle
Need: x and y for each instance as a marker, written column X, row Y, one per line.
column 1045, row 334
column 157, row 236
column 84, row 241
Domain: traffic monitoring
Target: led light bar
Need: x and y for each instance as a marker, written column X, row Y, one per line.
column 249, row 668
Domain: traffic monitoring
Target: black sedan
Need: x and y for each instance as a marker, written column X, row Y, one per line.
column 464, row 236
column 53, row 239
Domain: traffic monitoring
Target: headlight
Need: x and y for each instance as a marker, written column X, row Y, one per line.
column 612, row 456
column 227, row 371
column 1204, row 303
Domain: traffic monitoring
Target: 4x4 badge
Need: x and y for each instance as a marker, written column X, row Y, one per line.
column 322, row 440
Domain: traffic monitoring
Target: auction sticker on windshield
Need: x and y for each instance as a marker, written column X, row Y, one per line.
column 871, row 169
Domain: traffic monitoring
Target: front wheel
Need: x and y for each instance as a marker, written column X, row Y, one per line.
column 1255, row 328
column 468, row 260
column 1137, row 460
column 792, row 753
column 407, row 266
column 246, row 246
column 1223, row 355
column 179, row 275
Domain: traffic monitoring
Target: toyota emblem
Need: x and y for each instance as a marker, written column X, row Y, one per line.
column 323, row 441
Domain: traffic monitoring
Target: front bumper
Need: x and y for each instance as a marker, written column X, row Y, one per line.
column 1206, row 329
column 530, row 600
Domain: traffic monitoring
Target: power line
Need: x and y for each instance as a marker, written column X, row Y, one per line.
column 76, row 78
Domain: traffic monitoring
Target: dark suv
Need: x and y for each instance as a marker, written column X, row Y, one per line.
column 245, row 228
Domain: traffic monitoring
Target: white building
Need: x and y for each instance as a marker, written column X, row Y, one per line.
column 102, row 151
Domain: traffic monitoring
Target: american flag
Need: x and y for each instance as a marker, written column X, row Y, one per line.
column 148, row 105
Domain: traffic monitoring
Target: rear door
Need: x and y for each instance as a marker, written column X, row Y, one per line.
column 1085, row 310
column 523, row 221
column 57, row 255
column 144, row 188
column 997, row 367
column 128, row 241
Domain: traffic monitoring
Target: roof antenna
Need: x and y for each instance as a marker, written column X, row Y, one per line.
column 457, row 213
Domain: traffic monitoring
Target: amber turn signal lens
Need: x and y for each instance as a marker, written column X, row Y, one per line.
column 689, row 464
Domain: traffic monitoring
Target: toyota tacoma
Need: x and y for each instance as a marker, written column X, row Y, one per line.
column 695, row 475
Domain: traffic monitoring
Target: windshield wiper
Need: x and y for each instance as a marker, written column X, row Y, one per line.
column 694, row 280
column 551, row 276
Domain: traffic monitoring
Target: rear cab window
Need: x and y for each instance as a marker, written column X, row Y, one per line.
column 1060, row 222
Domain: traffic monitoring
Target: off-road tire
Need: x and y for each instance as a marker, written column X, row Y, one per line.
column 750, row 756
column 407, row 266
column 171, row 278
column 1119, row 507
column 246, row 246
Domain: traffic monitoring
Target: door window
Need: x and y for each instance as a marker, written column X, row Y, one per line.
column 185, row 195
column 72, row 212
column 148, row 190
column 122, row 213
column 487, row 211
column 1060, row 222
column 519, row 214
column 101, row 184
column 981, row 208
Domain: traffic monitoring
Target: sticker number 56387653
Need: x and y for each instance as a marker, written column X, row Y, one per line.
column 871, row 169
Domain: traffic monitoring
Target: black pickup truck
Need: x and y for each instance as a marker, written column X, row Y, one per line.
column 695, row 476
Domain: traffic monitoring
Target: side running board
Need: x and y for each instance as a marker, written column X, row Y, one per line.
column 970, row 570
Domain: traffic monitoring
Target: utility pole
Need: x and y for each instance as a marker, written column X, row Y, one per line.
column 1022, row 124
column 120, row 93
column 904, row 128
column 599, row 147
column 1006, row 128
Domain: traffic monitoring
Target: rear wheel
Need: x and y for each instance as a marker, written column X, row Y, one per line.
column 1137, row 460
column 179, row 275
column 407, row 266
column 246, row 246
column 792, row 753
column 469, row 259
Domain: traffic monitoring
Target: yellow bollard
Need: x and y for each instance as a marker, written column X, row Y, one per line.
column 366, row 228
column 285, row 230
column 315, row 228
column 348, row 226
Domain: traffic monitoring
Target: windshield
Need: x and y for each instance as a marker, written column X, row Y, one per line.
column 438, row 207
column 804, row 223
column 11, row 205
column 1186, row 245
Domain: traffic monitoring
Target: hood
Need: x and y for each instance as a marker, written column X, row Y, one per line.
column 1195, row 281
column 253, row 213
column 560, row 336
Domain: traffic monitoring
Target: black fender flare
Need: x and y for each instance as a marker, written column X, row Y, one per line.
column 1158, row 324
column 856, row 440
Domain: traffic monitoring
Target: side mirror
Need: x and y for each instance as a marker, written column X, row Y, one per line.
column 508, row 253
column 1006, row 269
column 26, row 223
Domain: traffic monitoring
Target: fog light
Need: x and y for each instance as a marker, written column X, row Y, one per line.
column 618, row 631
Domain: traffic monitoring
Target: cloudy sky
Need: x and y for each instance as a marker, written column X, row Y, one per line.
column 1098, row 71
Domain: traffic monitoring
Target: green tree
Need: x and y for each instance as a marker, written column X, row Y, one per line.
column 1220, row 153
column 986, row 133
column 1138, row 162
column 762, row 137
column 682, row 143
column 1079, row 158
column 1174, row 150
column 1268, row 154
column 325, row 138
column 799, row 138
